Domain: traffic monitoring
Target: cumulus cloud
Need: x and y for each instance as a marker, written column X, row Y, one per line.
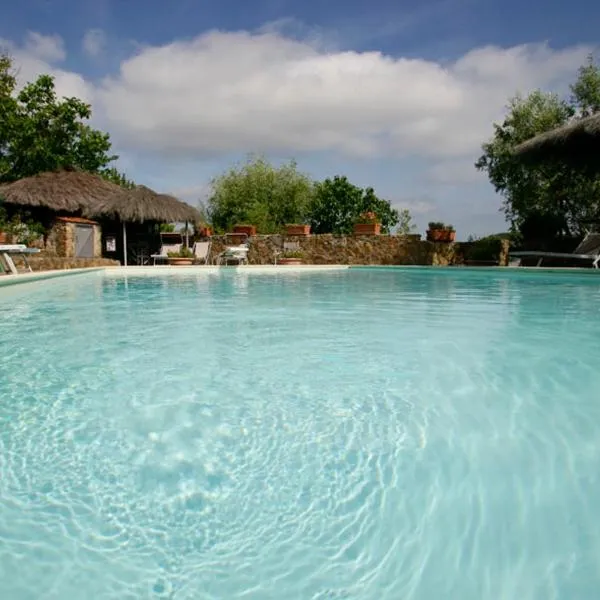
column 37, row 56
column 455, row 172
column 238, row 92
column 227, row 92
column 94, row 42
column 49, row 48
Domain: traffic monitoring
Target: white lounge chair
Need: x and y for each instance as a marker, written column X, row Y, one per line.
column 169, row 242
column 8, row 251
column 238, row 253
column 588, row 250
column 201, row 251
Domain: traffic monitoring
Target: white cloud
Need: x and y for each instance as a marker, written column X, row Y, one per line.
column 240, row 92
column 455, row 172
column 94, row 42
column 228, row 92
column 417, row 206
column 49, row 48
column 30, row 63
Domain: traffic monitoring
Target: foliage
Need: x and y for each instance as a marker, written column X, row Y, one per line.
column 338, row 204
column 292, row 254
column 185, row 252
column 166, row 227
column 40, row 132
column 111, row 174
column 405, row 223
column 439, row 226
column 368, row 217
column 259, row 193
column 554, row 193
column 585, row 92
column 485, row 249
column 21, row 227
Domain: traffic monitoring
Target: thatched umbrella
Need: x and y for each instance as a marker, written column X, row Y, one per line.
column 67, row 190
column 578, row 142
column 142, row 204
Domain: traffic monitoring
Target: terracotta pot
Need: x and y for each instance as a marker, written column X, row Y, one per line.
column 289, row 261
column 440, row 235
column 2, row 237
column 249, row 230
column 180, row 261
column 205, row 232
column 297, row 229
column 367, row 229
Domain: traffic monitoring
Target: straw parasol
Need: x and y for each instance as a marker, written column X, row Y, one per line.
column 579, row 142
column 66, row 190
column 142, row 204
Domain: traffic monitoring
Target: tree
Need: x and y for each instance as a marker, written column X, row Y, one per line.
column 554, row 194
column 259, row 193
column 114, row 176
column 585, row 92
column 338, row 204
column 40, row 132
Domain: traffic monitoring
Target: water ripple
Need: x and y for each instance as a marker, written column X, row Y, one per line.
column 361, row 435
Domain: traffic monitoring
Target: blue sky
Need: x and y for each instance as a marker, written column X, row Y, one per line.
column 397, row 95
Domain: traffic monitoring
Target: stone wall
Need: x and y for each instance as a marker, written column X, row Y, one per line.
column 354, row 250
column 60, row 240
column 50, row 262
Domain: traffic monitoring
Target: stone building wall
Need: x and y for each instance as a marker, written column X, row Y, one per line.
column 60, row 241
column 355, row 250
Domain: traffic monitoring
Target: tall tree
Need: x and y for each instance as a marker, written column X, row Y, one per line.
column 40, row 132
column 338, row 204
column 585, row 92
column 551, row 195
column 259, row 193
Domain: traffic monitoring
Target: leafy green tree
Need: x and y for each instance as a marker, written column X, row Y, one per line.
column 338, row 204
column 585, row 92
column 261, row 194
column 40, row 132
column 114, row 176
column 551, row 197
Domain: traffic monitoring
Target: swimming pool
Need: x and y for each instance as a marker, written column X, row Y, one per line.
column 367, row 434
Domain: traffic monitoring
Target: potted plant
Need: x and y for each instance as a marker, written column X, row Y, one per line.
column 204, row 230
column 184, row 257
column 440, row 232
column 291, row 257
column 249, row 230
column 367, row 224
column 297, row 229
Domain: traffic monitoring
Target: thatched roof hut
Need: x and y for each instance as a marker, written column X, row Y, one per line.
column 67, row 190
column 578, row 142
column 142, row 204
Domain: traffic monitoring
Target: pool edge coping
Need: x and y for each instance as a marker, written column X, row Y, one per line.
column 22, row 278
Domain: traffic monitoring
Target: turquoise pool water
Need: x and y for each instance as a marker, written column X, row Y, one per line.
column 365, row 434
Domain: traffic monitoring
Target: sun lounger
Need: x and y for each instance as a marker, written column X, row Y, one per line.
column 8, row 251
column 201, row 251
column 588, row 250
column 169, row 242
column 238, row 253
